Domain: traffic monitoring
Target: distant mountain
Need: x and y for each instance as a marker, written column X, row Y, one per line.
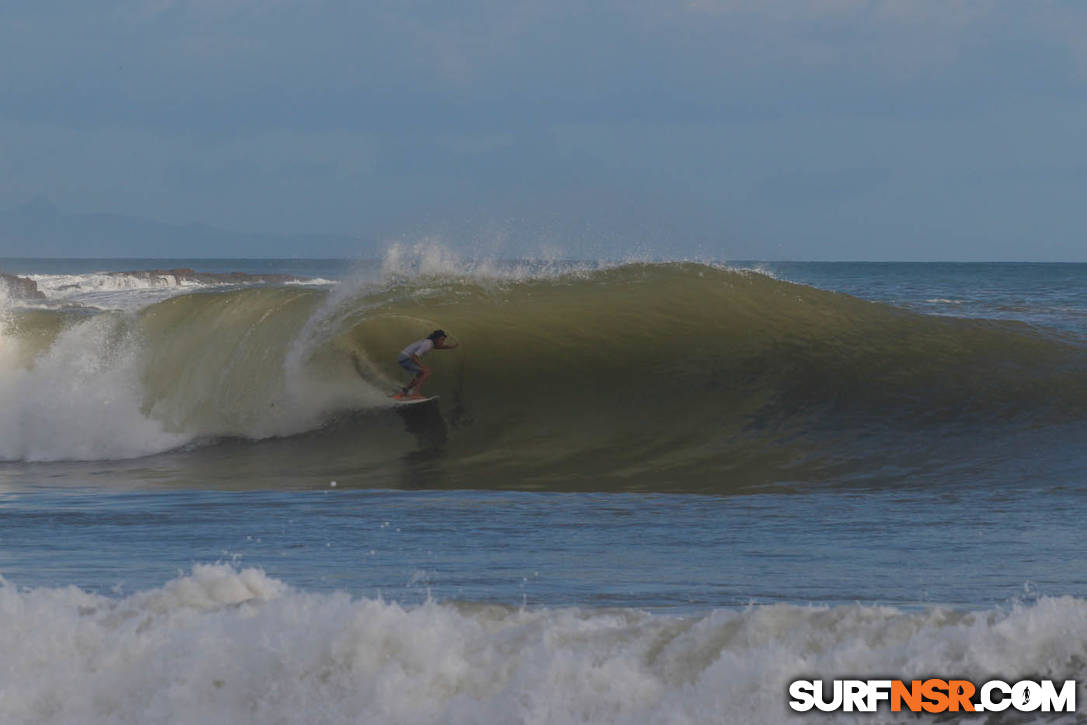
column 39, row 229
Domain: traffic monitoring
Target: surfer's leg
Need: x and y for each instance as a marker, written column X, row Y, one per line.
column 420, row 379
column 416, row 371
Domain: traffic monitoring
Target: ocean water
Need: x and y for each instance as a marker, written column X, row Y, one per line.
column 649, row 492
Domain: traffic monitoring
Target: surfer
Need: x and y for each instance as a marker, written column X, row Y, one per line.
column 409, row 359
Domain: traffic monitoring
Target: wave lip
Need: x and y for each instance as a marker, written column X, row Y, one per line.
column 134, row 289
column 227, row 645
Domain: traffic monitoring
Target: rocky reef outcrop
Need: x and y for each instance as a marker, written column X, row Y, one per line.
column 21, row 287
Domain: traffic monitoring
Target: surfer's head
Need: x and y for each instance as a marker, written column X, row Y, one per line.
column 436, row 335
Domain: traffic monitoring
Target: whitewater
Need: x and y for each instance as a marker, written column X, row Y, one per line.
column 225, row 645
column 651, row 490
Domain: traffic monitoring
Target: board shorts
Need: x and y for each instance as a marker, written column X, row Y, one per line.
column 408, row 364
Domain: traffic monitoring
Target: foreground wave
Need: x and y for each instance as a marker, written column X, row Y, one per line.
column 657, row 375
column 224, row 645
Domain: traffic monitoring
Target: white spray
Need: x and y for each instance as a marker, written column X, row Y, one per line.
column 80, row 399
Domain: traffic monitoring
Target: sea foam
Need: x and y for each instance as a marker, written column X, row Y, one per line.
column 222, row 645
column 81, row 398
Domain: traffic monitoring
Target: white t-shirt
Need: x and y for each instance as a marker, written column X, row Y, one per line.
column 419, row 348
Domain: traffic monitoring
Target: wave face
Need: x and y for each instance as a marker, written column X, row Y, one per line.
column 223, row 645
column 639, row 376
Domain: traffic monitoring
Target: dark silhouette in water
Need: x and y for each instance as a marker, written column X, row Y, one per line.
column 422, row 468
column 425, row 422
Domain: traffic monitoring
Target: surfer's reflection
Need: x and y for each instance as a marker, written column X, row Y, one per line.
column 426, row 424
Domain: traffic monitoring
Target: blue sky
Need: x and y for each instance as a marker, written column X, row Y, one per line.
column 735, row 129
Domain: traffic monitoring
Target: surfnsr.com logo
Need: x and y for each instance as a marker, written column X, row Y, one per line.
column 932, row 696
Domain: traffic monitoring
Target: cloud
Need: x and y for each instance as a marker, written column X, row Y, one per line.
column 702, row 116
column 228, row 66
column 900, row 37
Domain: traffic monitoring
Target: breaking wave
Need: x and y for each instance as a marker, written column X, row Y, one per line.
column 668, row 372
column 223, row 645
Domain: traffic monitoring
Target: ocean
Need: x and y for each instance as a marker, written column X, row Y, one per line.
column 650, row 491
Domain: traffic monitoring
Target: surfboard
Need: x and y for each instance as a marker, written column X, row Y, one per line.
column 412, row 401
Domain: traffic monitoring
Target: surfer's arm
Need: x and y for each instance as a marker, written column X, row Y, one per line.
column 443, row 346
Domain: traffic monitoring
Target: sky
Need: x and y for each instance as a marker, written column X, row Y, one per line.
column 732, row 129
